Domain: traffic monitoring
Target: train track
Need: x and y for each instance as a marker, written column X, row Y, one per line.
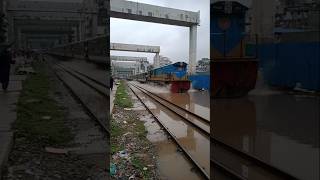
column 245, row 158
column 220, row 145
column 229, row 172
column 185, row 150
column 94, row 85
column 191, row 118
column 88, row 77
column 207, row 121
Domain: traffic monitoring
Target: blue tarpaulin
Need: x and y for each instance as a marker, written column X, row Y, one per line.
column 287, row 64
column 200, row 81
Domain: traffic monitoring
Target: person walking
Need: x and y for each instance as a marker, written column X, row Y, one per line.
column 111, row 83
column 5, row 63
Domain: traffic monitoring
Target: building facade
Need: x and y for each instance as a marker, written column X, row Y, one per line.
column 48, row 23
column 162, row 61
column 125, row 66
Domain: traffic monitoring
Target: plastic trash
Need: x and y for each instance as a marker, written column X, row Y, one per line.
column 123, row 154
column 113, row 169
column 132, row 177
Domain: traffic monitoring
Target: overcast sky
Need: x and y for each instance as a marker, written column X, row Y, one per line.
column 173, row 40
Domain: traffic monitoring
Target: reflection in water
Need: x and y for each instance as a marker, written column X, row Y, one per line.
column 197, row 102
column 172, row 163
column 195, row 142
column 280, row 129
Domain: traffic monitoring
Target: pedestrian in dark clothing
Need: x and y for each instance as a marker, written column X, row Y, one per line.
column 111, row 83
column 5, row 63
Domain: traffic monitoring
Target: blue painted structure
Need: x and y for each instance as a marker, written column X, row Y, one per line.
column 200, row 81
column 287, row 63
column 177, row 70
column 233, row 74
column 227, row 30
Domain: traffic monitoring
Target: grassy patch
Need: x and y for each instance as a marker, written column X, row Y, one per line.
column 122, row 98
column 141, row 130
column 126, row 122
column 116, row 131
column 39, row 117
column 137, row 163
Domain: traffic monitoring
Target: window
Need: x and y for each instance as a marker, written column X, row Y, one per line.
column 181, row 16
column 140, row 12
column 167, row 16
column 129, row 11
column 149, row 13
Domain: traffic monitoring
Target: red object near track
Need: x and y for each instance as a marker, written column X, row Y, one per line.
column 233, row 78
column 180, row 86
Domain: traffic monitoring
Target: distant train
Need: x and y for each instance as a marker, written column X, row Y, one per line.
column 233, row 70
column 94, row 50
column 174, row 74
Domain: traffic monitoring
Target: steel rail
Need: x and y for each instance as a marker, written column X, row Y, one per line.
column 233, row 150
column 193, row 114
column 207, row 133
column 83, row 104
column 83, row 81
column 227, row 171
column 88, row 77
column 184, row 150
column 253, row 159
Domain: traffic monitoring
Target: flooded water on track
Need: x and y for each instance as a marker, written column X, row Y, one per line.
column 194, row 101
column 280, row 129
column 171, row 163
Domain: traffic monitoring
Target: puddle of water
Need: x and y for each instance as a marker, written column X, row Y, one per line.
column 280, row 129
column 173, row 165
column 196, row 143
column 197, row 102
column 170, row 162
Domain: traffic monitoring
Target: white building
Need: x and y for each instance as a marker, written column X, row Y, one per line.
column 163, row 61
column 124, row 66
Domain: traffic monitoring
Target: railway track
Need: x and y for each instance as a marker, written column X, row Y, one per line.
column 253, row 163
column 219, row 146
column 205, row 171
column 65, row 75
column 207, row 121
column 193, row 119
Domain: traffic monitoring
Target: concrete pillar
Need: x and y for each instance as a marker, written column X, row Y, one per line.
column 81, row 29
column 19, row 40
column 94, row 25
column 263, row 18
column 192, row 49
column 156, row 59
column 78, row 33
column 137, row 71
column 23, row 41
column 10, row 28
